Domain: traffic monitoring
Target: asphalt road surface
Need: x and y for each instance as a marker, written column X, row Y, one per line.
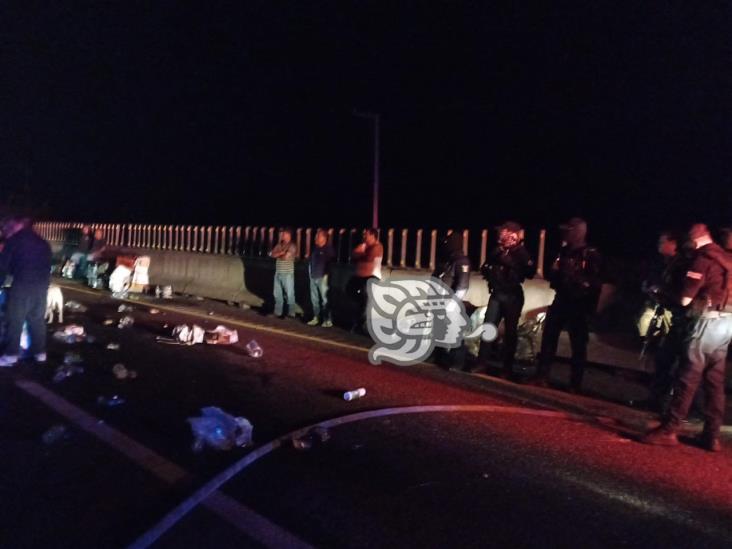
column 467, row 466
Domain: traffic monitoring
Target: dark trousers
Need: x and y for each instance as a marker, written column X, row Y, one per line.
column 451, row 358
column 667, row 355
column 356, row 289
column 705, row 358
column 574, row 316
column 505, row 306
column 26, row 304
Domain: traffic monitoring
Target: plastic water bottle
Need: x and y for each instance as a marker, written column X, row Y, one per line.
column 57, row 432
column 254, row 349
column 355, row 394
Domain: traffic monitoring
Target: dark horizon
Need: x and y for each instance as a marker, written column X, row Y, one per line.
column 184, row 113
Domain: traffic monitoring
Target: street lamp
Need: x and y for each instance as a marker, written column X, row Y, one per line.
column 375, row 119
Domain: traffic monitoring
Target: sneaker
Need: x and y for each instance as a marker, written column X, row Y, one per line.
column 314, row 322
column 327, row 324
column 660, row 436
column 40, row 358
column 8, row 361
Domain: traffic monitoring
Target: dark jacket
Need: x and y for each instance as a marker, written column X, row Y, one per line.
column 665, row 280
column 575, row 274
column 507, row 268
column 27, row 258
column 320, row 258
column 454, row 271
column 708, row 278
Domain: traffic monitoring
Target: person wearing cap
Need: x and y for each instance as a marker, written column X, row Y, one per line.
column 453, row 269
column 27, row 258
column 706, row 294
column 575, row 278
column 505, row 269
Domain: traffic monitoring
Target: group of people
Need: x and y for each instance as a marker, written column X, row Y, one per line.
column 693, row 285
column 367, row 257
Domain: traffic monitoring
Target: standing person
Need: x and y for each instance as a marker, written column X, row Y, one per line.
column 368, row 256
column 79, row 257
column 575, row 277
column 320, row 258
column 506, row 268
column 454, row 270
column 706, row 293
column 664, row 286
column 284, row 253
column 27, row 258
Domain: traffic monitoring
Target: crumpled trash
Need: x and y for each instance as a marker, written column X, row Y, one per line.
column 73, row 358
column 54, row 434
column 185, row 335
column 154, row 311
column 125, row 308
column 75, row 306
column 121, row 372
column 114, row 400
column 219, row 430
column 125, row 322
column 108, row 322
column 313, row 436
column 167, row 292
column 120, row 295
column 70, row 334
column 69, row 368
column 221, row 335
column 112, row 346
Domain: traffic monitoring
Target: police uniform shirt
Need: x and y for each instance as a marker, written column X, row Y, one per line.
column 706, row 279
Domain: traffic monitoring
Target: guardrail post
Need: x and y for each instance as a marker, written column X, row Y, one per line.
column 389, row 247
column 483, row 246
column 433, row 248
column 418, row 250
column 540, row 255
column 403, row 253
column 298, row 242
column 308, row 241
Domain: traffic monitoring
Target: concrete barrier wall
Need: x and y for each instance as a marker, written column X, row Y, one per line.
column 250, row 281
column 213, row 276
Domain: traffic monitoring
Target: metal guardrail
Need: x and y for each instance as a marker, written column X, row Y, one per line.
column 403, row 248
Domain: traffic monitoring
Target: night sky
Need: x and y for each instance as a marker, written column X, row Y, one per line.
column 242, row 113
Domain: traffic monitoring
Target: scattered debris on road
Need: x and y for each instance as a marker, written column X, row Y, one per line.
column 221, row 335
column 125, row 322
column 54, row 434
column 75, row 306
column 120, row 371
column 219, row 430
column 254, row 349
column 114, row 400
column 354, row 394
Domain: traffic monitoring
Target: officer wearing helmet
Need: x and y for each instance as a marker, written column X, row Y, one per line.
column 575, row 277
column 505, row 269
column 453, row 268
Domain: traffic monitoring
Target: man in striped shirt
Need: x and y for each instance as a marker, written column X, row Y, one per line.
column 284, row 253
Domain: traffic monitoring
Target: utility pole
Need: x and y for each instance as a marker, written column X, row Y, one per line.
column 375, row 118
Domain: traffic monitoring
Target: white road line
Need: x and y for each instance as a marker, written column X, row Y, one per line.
column 248, row 521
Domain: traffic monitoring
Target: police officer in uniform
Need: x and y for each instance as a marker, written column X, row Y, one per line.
column 575, row 277
column 664, row 285
column 453, row 269
column 706, row 294
column 507, row 266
